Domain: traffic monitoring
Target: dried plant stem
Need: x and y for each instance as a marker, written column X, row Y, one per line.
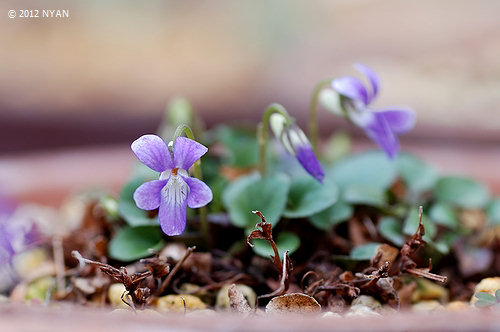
column 426, row 274
column 176, row 268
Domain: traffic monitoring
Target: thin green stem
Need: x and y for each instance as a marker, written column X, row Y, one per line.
column 313, row 118
column 263, row 128
column 185, row 129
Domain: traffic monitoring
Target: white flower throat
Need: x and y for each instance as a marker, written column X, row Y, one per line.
column 176, row 189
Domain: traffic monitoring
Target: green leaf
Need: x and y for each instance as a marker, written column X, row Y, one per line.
column 370, row 169
column 390, row 229
column 364, row 252
column 417, row 175
column 267, row 195
column 485, row 299
column 284, row 241
column 241, row 146
column 127, row 208
column 444, row 214
column 364, row 195
column 132, row 243
column 237, row 186
column 307, row 196
column 412, row 221
column 497, row 295
column 462, row 192
column 332, row 216
column 493, row 211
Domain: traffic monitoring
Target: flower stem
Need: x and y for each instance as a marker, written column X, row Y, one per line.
column 263, row 128
column 313, row 118
column 185, row 129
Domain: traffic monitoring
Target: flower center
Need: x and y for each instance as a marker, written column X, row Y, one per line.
column 175, row 171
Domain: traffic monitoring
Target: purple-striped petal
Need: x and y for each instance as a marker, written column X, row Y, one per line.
column 351, row 87
column 153, row 152
column 172, row 212
column 187, row 152
column 399, row 120
column 199, row 193
column 308, row 160
column 147, row 196
column 380, row 132
column 372, row 76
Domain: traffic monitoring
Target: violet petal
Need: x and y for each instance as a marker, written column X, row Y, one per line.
column 380, row 132
column 199, row 193
column 172, row 212
column 351, row 87
column 147, row 195
column 187, row 152
column 399, row 120
column 372, row 76
column 308, row 160
column 153, row 152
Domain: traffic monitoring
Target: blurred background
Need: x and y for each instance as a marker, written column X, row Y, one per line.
column 103, row 76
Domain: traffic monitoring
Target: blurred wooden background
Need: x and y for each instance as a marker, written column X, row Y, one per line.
column 105, row 74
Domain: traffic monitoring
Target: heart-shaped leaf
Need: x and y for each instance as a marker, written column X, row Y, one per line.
column 485, row 299
column 307, row 197
column 369, row 169
column 462, row 192
column 267, row 195
column 132, row 243
column 364, row 252
column 391, row 229
column 417, row 175
column 364, row 195
column 444, row 214
column 332, row 216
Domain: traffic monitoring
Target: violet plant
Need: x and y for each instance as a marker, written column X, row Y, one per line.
column 327, row 195
column 351, row 98
column 291, row 137
column 175, row 190
column 16, row 236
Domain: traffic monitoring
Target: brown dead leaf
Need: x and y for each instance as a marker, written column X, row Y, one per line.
column 385, row 253
column 266, row 233
column 295, row 303
column 237, row 301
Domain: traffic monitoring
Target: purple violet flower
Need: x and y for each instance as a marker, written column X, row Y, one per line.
column 296, row 143
column 16, row 235
column 380, row 125
column 175, row 189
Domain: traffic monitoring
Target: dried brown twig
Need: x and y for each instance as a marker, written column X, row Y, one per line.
column 407, row 264
column 266, row 233
column 176, row 268
column 285, row 267
column 138, row 295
